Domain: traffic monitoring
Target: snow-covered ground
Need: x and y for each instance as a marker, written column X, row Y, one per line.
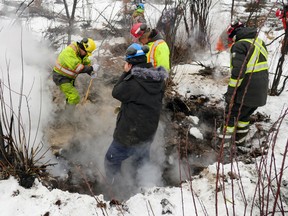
column 196, row 196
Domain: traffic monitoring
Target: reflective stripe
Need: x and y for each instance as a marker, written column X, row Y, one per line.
column 151, row 57
column 257, row 68
column 230, row 129
column 241, row 140
column 254, row 65
column 227, row 136
column 258, row 44
column 233, row 82
column 242, row 124
column 242, row 131
column 71, row 73
column 74, row 48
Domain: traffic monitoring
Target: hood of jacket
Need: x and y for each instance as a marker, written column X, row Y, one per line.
column 155, row 35
column 147, row 77
column 246, row 33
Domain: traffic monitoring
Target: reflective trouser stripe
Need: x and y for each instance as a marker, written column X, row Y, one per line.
column 242, row 127
column 71, row 93
column 230, row 129
column 229, row 132
column 242, row 132
column 243, row 139
column 242, row 124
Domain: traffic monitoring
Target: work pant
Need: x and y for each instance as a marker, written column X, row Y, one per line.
column 67, row 87
column 242, row 126
column 117, row 153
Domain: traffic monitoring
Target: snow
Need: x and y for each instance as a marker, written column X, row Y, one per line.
column 194, row 131
column 196, row 195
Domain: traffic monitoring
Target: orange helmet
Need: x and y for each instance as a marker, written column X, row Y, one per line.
column 138, row 29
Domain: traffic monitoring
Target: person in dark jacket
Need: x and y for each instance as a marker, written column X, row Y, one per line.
column 140, row 90
column 248, row 85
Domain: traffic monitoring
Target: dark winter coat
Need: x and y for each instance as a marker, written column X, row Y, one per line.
column 257, row 90
column 140, row 91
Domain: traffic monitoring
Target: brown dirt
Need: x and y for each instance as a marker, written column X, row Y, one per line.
column 198, row 152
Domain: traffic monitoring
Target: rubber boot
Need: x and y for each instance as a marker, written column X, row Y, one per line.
column 227, row 138
column 241, row 135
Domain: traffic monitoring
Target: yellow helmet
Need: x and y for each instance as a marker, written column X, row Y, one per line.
column 89, row 45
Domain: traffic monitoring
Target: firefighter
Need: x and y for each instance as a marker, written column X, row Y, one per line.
column 248, row 85
column 72, row 61
column 159, row 53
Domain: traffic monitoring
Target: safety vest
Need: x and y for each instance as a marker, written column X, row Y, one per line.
column 69, row 63
column 152, row 56
column 253, row 65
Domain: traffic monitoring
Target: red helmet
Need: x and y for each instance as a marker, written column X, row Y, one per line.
column 231, row 30
column 279, row 13
column 138, row 29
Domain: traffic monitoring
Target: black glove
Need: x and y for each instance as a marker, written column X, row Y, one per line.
column 228, row 94
column 227, row 97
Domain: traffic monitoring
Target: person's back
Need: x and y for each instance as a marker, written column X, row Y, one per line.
column 140, row 90
column 257, row 85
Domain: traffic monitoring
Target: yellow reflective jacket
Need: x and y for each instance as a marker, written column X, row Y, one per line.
column 159, row 54
column 69, row 63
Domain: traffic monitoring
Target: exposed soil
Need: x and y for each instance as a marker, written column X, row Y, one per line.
column 198, row 153
column 68, row 128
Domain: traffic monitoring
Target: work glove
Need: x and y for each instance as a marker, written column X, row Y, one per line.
column 228, row 94
column 95, row 67
column 94, row 73
column 227, row 97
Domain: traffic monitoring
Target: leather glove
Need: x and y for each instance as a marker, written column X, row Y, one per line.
column 95, row 67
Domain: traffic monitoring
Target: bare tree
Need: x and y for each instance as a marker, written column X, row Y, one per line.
column 275, row 90
column 199, row 21
column 70, row 18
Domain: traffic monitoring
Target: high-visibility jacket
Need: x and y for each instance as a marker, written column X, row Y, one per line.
column 69, row 63
column 159, row 54
column 249, row 69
